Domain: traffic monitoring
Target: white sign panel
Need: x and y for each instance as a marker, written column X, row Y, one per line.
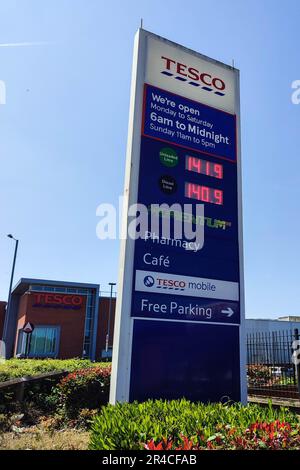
column 172, row 68
column 173, row 284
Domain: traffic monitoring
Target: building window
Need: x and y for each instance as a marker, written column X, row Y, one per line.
column 43, row 342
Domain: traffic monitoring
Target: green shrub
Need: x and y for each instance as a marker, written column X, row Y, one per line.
column 85, row 388
column 129, row 426
column 38, row 394
column 14, row 368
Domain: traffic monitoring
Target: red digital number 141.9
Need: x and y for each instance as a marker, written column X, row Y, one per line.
column 204, row 167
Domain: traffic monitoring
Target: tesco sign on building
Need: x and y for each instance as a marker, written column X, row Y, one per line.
column 57, row 301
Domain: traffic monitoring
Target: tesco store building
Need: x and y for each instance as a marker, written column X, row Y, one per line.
column 70, row 320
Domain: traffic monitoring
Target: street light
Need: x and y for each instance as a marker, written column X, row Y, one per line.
column 7, row 315
column 112, row 284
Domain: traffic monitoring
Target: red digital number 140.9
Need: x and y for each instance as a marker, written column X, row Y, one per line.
column 203, row 193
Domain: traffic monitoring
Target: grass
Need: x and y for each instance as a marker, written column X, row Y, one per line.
column 39, row 439
column 15, row 368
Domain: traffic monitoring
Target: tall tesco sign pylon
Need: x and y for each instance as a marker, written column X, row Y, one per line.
column 179, row 328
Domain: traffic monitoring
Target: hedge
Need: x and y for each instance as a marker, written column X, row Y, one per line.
column 83, row 389
column 132, row 426
column 46, row 396
column 14, row 368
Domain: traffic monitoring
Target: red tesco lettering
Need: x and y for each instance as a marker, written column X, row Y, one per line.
column 193, row 74
column 171, row 283
column 58, row 299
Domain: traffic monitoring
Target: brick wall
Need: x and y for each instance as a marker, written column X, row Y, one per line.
column 70, row 321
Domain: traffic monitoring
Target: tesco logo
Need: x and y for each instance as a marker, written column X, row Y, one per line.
column 192, row 76
column 149, row 281
column 170, row 284
column 160, row 283
column 58, row 300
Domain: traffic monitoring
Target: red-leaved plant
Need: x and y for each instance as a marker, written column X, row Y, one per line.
column 276, row 435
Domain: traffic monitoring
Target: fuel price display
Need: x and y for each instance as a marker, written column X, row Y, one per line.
column 204, row 193
column 203, row 167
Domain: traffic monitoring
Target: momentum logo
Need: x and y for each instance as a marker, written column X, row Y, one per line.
column 192, row 76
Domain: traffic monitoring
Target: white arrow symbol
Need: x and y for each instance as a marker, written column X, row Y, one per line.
column 229, row 312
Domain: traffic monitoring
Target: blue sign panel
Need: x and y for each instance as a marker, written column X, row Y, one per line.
column 188, row 156
column 171, row 307
column 185, row 122
column 219, row 257
column 174, row 359
column 166, row 170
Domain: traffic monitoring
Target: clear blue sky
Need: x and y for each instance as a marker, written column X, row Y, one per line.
column 63, row 132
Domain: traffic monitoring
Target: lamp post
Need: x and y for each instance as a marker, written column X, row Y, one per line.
column 112, row 284
column 7, row 315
